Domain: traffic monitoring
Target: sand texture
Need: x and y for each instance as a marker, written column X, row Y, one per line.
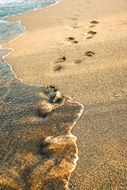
column 81, row 47
column 37, row 149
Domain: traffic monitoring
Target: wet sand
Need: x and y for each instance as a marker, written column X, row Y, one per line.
column 80, row 47
column 37, row 149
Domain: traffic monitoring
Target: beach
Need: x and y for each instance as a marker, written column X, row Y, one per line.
column 80, row 47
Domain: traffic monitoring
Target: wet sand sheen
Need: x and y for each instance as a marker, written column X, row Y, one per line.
column 37, row 149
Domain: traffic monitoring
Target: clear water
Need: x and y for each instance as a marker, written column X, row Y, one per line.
column 9, row 30
column 9, row 8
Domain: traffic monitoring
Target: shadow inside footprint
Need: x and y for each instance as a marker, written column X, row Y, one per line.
column 89, row 37
column 89, row 53
column 72, row 40
column 57, row 68
column 94, row 22
column 92, row 32
column 61, row 59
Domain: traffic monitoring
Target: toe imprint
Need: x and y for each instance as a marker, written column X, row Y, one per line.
column 89, row 53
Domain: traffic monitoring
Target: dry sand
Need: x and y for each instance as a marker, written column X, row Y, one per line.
column 97, row 81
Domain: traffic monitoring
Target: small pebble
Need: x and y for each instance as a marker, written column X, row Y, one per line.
column 58, row 97
column 115, row 95
column 51, row 96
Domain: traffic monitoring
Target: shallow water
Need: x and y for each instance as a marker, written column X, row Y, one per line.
column 10, row 30
column 37, row 150
column 14, row 7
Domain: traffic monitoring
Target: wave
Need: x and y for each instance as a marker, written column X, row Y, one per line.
column 9, row 2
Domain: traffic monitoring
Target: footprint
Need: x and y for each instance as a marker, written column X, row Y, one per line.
column 91, row 34
column 73, row 18
column 57, row 68
column 61, row 59
column 72, row 40
column 91, row 26
column 89, row 53
column 75, row 26
column 94, row 22
column 77, row 61
column 89, row 37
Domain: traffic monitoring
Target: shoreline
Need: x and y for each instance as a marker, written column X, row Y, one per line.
column 46, row 45
column 8, row 18
column 3, row 45
column 97, row 79
column 69, row 134
column 20, row 14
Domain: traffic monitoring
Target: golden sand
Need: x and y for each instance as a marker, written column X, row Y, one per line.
column 92, row 57
column 96, row 78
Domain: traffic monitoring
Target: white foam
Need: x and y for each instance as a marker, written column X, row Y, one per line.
column 59, row 139
column 5, row 2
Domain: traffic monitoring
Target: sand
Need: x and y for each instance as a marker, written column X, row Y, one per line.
column 63, row 35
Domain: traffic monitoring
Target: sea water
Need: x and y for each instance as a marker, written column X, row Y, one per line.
column 36, row 152
column 9, row 30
